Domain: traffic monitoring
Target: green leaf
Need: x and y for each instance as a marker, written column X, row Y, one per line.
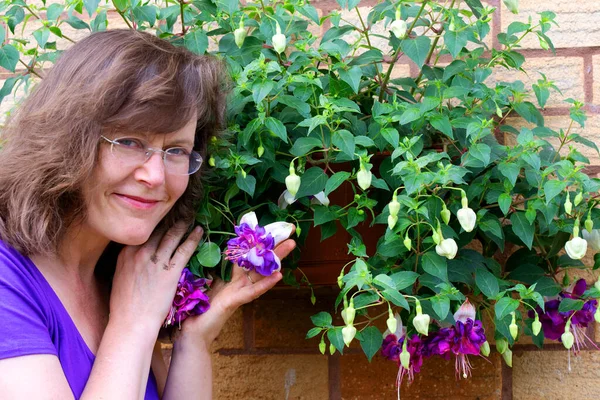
column 505, row 306
column 9, row 57
column 260, row 90
column 568, row 304
column 552, row 188
column 547, row 287
column 344, row 140
column 455, row 67
column 305, row 144
column 352, row 77
column 435, row 265
column 396, row 298
column 54, row 11
column 312, row 182
column 313, row 332
column 301, row 106
column 368, row 57
column 385, row 281
column 247, row 184
column 336, row 338
column 455, row 41
column 120, row 5
column 312, row 123
column 487, row 283
column 510, row 171
column 322, row 319
column 409, row 115
column 90, row 6
column 209, row 254
column 41, row 36
column 481, row 152
column 441, row 306
column 391, row 135
column 404, row 279
column 335, row 181
column 522, row 228
column 504, row 201
column 229, row 6
column 516, row 27
column 371, row 340
column 277, row 127
column 416, row 49
column 442, row 124
column 197, row 42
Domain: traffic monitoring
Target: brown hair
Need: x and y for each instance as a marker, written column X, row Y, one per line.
column 117, row 79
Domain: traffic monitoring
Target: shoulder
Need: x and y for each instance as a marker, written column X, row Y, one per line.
column 16, row 270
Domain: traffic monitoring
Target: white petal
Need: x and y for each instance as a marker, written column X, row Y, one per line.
column 322, row 198
column 250, row 219
column 278, row 261
column 466, row 310
column 280, row 231
column 254, row 258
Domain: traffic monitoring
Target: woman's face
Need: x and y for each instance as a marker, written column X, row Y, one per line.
column 125, row 201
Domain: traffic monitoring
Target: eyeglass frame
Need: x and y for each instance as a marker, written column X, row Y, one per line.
column 149, row 152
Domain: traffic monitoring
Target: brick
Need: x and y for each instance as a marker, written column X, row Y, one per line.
column 596, row 85
column 545, row 375
column 400, row 71
column 566, row 72
column 232, row 334
column 376, row 380
column 577, row 20
column 252, row 377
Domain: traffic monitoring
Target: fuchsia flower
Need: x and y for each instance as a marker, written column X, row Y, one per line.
column 392, row 348
column 190, row 298
column 554, row 322
column 463, row 339
column 253, row 247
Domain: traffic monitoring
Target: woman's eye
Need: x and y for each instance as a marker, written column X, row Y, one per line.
column 178, row 151
column 130, row 143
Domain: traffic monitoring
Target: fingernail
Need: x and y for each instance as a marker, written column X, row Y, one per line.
column 198, row 230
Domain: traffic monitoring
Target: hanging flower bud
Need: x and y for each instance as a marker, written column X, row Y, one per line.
column 392, row 322
column 578, row 199
column 512, row 5
column 292, row 181
column 331, row 349
column 597, row 286
column 405, row 355
column 592, row 237
column 279, row 41
column 464, row 202
column 421, row 321
column 243, row 173
column 567, row 338
column 364, row 177
column 298, row 230
column 348, row 313
column 507, row 356
column 348, row 333
column 260, row 151
column 501, row 345
column 445, row 213
column 513, row 327
column 392, row 219
column 597, row 314
column 576, row 248
column 407, row 242
column 436, row 237
column 485, row 349
column 322, row 345
column 240, row 34
column 340, row 280
column 394, row 206
column 447, row 248
column 211, row 161
column 589, row 224
column 568, row 204
column 536, row 325
column 467, row 218
column 398, row 27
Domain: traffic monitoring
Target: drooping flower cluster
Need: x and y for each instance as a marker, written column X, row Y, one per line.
column 253, row 247
column 190, row 298
column 466, row 337
column 574, row 322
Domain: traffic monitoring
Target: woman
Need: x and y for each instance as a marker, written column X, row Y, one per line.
column 106, row 150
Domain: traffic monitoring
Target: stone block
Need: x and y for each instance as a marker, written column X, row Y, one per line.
column 545, row 375
column 362, row 380
column 596, row 74
column 577, row 20
column 232, row 334
column 266, row 377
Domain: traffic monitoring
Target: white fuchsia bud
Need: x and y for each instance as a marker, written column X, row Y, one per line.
column 512, row 5
column 589, row 224
column 507, row 355
column 331, row 349
column 465, row 312
column 348, row 333
column 513, row 327
column 292, row 181
column 445, row 214
column 578, row 199
column 260, row 151
column 501, row 345
column 467, row 218
column 436, row 237
column 364, row 177
column 279, row 41
column 568, row 204
column 322, row 346
column 536, row 325
column 597, row 314
column 421, row 321
column 349, row 313
column 407, row 242
column 576, row 248
column 392, row 219
column 399, row 28
column 485, row 349
column 239, row 34
column 392, row 322
column 211, row 161
column 394, row 206
column 464, row 201
column 405, row 355
column 567, row 338
column 592, row 237
column 447, row 248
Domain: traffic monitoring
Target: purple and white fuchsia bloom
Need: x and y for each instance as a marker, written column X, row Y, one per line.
column 253, row 247
column 190, row 298
column 393, row 348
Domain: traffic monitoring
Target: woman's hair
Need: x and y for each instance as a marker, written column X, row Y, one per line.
column 112, row 80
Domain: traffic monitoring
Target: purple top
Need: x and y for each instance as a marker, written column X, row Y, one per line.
column 34, row 321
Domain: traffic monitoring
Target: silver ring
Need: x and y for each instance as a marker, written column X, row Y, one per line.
column 249, row 278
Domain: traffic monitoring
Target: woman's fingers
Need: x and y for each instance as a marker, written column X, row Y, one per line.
column 285, row 248
column 169, row 243
column 185, row 251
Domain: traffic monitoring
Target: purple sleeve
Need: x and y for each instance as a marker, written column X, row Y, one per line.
column 24, row 327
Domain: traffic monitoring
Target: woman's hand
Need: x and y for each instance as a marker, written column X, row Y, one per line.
column 146, row 276
column 226, row 298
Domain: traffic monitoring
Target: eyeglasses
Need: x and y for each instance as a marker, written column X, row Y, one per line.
column 177, row 160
